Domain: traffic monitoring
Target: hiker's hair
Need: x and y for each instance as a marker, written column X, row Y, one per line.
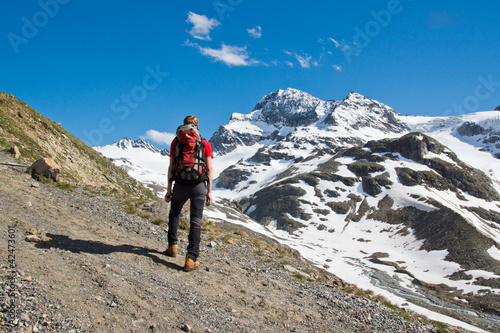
column 191, row 120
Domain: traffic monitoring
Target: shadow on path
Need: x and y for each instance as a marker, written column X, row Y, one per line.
column 95, row 247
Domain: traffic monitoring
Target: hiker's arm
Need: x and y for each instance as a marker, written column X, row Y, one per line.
column 168, row 196
column 210, row 173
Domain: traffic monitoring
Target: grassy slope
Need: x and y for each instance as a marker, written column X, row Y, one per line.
column 37, row 136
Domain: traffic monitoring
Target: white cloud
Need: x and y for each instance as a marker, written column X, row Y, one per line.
column 158, row 137
column 337, row 44
column 202, row 25
column 229, row 55
column 255, row 32
column 304, row 60
column 338, row 68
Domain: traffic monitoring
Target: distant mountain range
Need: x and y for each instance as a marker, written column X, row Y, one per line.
column 405, row 205
column 142, row 160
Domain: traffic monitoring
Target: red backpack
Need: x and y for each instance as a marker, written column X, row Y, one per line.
column 189, row 157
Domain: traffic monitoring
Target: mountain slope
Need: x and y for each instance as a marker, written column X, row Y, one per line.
column 36, row 137
column 360, row 192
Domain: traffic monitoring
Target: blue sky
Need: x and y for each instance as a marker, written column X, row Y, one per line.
column 110, row 69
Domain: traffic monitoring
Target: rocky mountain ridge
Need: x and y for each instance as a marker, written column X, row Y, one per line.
column 293, row 114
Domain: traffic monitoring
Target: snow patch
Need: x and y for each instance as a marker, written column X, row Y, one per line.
column 494, row 252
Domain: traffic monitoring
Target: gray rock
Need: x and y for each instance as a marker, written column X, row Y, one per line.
column 47, row 168
column 471, row 129
column 230, row 177
column 15, row 151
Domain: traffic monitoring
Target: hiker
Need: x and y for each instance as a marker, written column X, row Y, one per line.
column 191, row 171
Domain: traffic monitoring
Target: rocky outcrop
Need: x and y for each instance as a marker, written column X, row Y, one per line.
column 46, row 167
column 363, row 168
column 414, row 146
column 231, row 176
column 456, row 175
column 224, row 141
column 266, row 155
column 278, row 203
column 485, row 132
column 470, row 129
column 289, row 107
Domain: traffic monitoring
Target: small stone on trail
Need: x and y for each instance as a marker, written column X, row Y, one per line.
column 33, row 239
column 15, row 151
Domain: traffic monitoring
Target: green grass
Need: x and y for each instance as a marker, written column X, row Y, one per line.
column 211, row 227
column 299, row 277
column 65, row 186
column 158, row 221
column 183, row 224
column 441, row 328
column 129, row 209
column 242, row 233
column 259, row 253
column 230, row 239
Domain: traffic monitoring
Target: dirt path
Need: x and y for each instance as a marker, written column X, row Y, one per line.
column 91, row 267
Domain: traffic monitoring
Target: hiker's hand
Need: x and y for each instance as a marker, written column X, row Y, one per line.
column 168, row 196
column 209, row 199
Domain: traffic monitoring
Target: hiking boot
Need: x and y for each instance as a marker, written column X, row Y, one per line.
column 190, row 265
column 171, row 251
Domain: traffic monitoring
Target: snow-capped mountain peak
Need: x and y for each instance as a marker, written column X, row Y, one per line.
column 309, row 118
column 127, row 143
column 290, row 107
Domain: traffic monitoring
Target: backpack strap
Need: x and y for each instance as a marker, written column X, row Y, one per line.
column 178, row 149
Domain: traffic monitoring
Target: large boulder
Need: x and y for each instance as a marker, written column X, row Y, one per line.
column 46, row 167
